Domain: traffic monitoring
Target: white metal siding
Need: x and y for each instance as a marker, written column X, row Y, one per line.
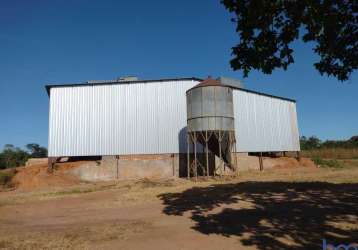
column 150, row 118
column 264, row 123
column 139, row 118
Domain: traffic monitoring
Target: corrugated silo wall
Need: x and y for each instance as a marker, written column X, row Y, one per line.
column 264, row 123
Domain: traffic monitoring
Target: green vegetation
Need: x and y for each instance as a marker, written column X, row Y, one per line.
column 314, row 143
column 313, row 147
column 327, row 163
column 36, row 151
column 267, row 30
column 12, row 156
column 327, row 153
column 6, row 177
column 331, row 153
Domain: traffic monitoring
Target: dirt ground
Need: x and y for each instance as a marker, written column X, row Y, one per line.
column 281, row 208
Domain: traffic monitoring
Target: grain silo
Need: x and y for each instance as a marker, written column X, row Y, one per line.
column 210, row 122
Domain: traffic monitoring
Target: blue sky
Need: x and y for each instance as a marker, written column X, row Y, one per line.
column 45, row 42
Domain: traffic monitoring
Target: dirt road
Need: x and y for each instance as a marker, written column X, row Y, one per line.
column 277, row 209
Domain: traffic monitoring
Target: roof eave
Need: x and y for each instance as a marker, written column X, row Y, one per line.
column 49, row 86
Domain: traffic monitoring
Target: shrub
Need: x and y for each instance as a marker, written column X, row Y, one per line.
column 326, row 163
column 6, row 177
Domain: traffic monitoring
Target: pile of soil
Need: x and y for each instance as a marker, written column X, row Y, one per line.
column 289, row 162
column 37, row 177
column 307, row 162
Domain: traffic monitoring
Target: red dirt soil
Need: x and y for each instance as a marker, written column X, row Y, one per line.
column 38, row 177
column 289, row 162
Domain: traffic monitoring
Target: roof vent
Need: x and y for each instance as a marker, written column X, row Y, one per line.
column 99, row 81
column 119, row 79
column 127, row 78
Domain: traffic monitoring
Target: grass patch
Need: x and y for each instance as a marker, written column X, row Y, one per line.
column 331, row 153
column 73, row 191
column 350, row 163
column 83, row 190
column 147, row 183
column 327, row 163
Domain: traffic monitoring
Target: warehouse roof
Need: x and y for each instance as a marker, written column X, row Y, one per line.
column 110, row 82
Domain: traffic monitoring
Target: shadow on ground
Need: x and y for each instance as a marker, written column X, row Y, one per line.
column 272, row 215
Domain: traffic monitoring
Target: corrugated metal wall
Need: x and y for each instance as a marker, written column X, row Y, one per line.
column 264, row 123
column 140, row 118
column 150, row 118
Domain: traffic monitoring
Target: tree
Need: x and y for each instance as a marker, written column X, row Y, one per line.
column 9, row 147
column 36, row 151
column 311, row 143
column 267, row 28
column 12, row 157
column 354, row 139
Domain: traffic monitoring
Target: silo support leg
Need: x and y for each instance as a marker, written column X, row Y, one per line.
column 195, row 159
column 235, row 155
column 207, row 153
column 117, row 166
column 261, row 162
column 188, row 156
column 220, row 154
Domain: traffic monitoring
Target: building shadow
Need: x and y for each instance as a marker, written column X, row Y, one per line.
column 83, row 158
column 182, row 152
column 272, row 215
column 183, row 160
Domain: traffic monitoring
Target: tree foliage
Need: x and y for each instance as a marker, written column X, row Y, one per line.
column 36, row 151
column 12, row 156
column 267, row 28
column 314, row 143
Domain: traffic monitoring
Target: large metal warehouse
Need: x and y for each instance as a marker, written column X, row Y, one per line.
column 148, row 117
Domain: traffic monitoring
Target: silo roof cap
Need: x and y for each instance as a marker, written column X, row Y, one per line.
column 209, row 82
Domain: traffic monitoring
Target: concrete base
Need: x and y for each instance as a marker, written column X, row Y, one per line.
column 164, row 166
column 130, row 167
column 147, row 166
column 246, row 162
column 92, row 171
column 36, row 161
